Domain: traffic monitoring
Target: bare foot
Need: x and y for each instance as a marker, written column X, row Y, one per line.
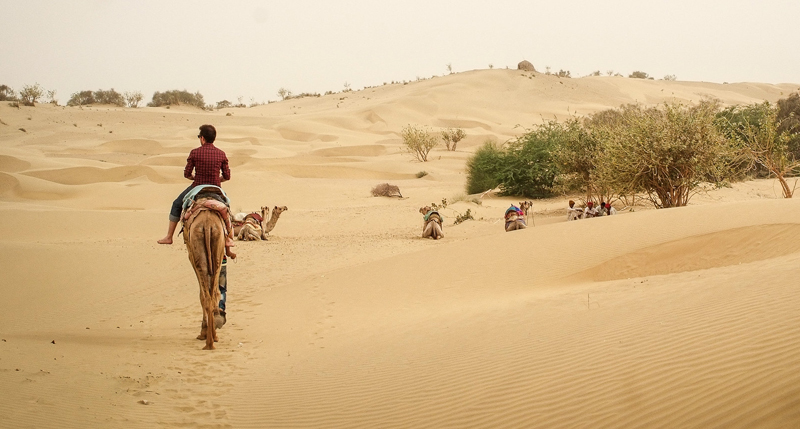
column 229, row 253
column 165, row 240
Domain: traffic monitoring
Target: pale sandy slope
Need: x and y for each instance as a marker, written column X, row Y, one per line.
column 674, row 318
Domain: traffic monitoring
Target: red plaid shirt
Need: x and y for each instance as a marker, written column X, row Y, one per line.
column 207, row 161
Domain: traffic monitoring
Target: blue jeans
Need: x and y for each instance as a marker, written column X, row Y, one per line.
column 223, row 284
column 177, row 206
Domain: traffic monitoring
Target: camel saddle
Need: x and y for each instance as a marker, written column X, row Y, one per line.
column 253, row 219
column 207, row 197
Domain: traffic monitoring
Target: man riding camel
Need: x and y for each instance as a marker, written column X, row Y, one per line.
column 206, row 165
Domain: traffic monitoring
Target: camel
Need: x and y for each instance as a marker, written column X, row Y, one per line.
column 526, row 207
column 433, row 223
column 204, row 235
column 267, row 226
column 250, row 227
column 255, row 226
column 515, row 219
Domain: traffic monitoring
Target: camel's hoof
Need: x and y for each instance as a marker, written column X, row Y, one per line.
column 219, row 321
column 201, row 337
column 211, row 347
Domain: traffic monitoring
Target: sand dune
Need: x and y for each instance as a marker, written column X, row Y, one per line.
column 345, row 317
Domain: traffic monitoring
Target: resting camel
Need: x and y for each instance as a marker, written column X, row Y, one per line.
column 433, row 223
column 254, row 226
column 250, row 229
column 204, row 235
column 515, row 219
column 526, row 207
column 266, row 227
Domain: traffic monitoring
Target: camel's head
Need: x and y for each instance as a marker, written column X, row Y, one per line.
column 525, row 205
column 425, row 210
column 276, row 211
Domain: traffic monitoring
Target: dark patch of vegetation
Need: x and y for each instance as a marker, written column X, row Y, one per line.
column 177, row 98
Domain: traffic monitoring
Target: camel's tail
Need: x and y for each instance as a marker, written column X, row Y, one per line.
column 210, row 261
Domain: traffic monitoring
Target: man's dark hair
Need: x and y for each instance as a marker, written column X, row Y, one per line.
column 209, row 133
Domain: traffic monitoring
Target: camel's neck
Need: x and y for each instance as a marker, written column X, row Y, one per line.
column 272, row 221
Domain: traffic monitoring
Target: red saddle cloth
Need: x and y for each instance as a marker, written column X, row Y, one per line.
column 208, row 204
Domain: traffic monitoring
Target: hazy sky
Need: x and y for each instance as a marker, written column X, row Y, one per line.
column 250, row 49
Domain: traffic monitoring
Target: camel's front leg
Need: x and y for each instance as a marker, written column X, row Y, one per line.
column 428, row 230
column 437, row 231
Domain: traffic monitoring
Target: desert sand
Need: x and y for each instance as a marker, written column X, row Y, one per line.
column 346, row 318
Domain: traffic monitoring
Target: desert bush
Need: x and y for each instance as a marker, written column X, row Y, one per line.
column 7, row 94
column 576, row 152
column 529, row 165
column 109, row 97
column 133, row 98
column 175, row 97
column 462, row 217
column 224, row 104
column 639, row 75
column 30, row 94
column 418, row 142
column 51, row 97
column 664, row 152
column 671, row 77
column 284, row 93
column 563, row 73
column 731, row 122
column 386, row 190
column 452, row 137
column 483, row 168
column 760, row 141
column 789, row 121
column 81, row 98
column 302, row 95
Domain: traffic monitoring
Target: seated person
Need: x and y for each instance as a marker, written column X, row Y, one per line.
column 590, row 211
column 610, row 210
column 573, row 213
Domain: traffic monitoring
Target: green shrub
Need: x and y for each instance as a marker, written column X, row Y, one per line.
column 789, row 119
column 483, row 168
column 7, row 94
column 175, row 97
column 576, row 152
column 732, row 122
column 639, row 75
column 665, row 152
column 756, row 130
column 529, row 165
column 418, row 142
column 81, row 98
column 109, row 97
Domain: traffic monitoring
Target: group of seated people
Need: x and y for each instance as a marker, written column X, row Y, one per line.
column 575, row 213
